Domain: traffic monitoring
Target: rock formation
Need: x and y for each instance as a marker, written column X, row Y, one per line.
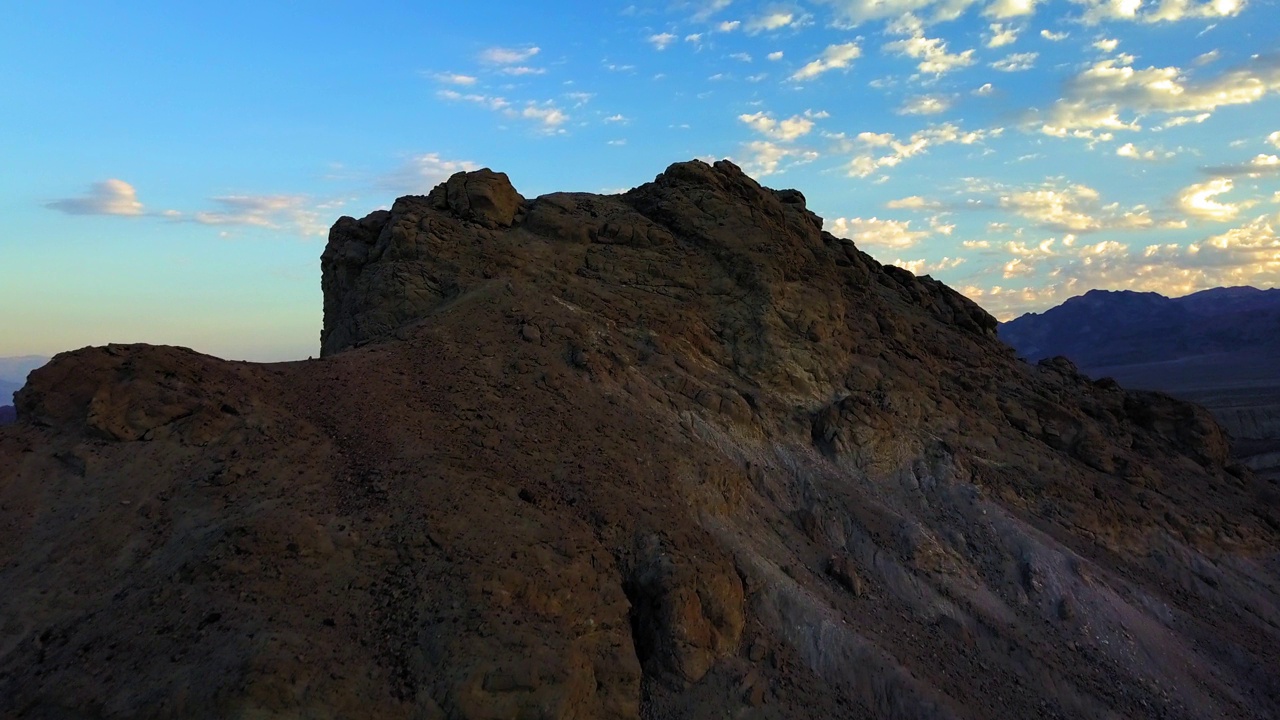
column 675, row 453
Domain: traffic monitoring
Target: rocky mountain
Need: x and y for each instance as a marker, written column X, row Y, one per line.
column 1216, row 347
column 673, row 453
column 8, row 415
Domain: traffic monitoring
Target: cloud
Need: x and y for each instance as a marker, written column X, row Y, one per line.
column 775, row 20
column 522, row 70
column 546, row 115
column 835, row 57
column 1258, row 166
column 1075, row 208
column 931, row 52
column 925, row 105
column 1107, row 44
column 109, row 197
column 1274, row 138
column 1096, row 11
column 852, row 13
column 662, row 40
column 874, row 231
column 1096, row 97
column 775, row 56
column 508, row 56
column 709, row 8
column 1206, row 58
column 1198, row 200
column 913, row 202
column 785, row 130
column 924, row 267
column 764, row 157
column 617, row 118
column 741, row 56
column 729, row 26
column 1131, row 151
column 493, row 102
column 295, row 213
column 1017, row 62
column 1001, row 35
column 1010, row 8
column 454, row 78
column 986, row 89
column 876, row 151
column 422, row 172
column 1054, row 36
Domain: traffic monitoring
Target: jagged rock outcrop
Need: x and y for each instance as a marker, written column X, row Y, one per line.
column 671, row 453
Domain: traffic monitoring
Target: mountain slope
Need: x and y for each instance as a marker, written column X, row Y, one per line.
column 670, row 453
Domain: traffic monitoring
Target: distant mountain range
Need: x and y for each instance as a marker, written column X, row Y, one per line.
column 13, row 374
column 1219, row 348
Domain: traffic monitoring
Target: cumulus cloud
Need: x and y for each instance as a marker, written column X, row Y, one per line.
column 931, row 52
column 422, row 172
column 545, row 115
column 1054, row 36
column 835, row 57
column 508, row 56
column 1274, row 138
column 1096, row 11
column 785, row 130
column 1199, row 200
column 874, row 231
column 1257, row 166
column 851, row 13
column 1097, row 97
column 984, row 90
column 765, row 158
column 773, row 20
column 1017, row 62
column 293, row 213
column 913, row 202
column 109, row 197
column 876, row 151
column 662, row 40
column 775, row 55
column 1010, row 8
column 925, row 105
column 455, row 78
column 924, row 267
column 1000, row 34
column 1131, row 151
column 1075, row 208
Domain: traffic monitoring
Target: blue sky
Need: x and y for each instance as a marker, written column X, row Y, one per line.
column 170, row 169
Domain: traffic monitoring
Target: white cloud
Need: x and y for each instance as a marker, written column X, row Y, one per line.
column 876, row 151
column 455, row 78
column 931, row 52
column 662, row 40
column 1054, row 36
column 741, row 56
column 493, row 102
column 1017, row 62
column 1206, row 58
column 548, row 116
column 1257, row 166
column 775, row 20
column 423, row 172
column 518, row 70
column 295, row 213
column 109, row 197
column 711, row 7
column 775, row 56
column 1182, row 120
column 924, row 267
column 1198, row 201
column 508, row 56
column 986, row 89
column 835, row 57
column 925, row 105
column 618, row 118
column 764, row 157
column 913, row 202
column 1076, row 208
column 1107, row 44
column 729, row 26
column 874, row 231
column 1131, row 151
column 1010, row 8
column 1274, row 138
column 1001, row 34
column 1096, row 11
column 785, row 130
column 1096, row 97
column 851, row 13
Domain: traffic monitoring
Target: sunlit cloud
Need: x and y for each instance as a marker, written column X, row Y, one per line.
column 508, row 56
column 925, row 105
column 1132, row 152
column 1257, row 166
column 662, row 41
column 786, row 130
column 1017, row 62
column 875, row 152
column 109, row 197
column 1001, row 34
column 1199, row 200
column 876, row 232
column 835, row 57
column 931, row 52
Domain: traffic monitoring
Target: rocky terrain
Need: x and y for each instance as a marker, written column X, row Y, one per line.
column 1217, row 348
column 8, row 415
column 674, row 453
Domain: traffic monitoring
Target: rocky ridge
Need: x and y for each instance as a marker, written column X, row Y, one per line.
column 671, row 453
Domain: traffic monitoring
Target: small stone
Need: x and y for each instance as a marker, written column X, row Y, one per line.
column 530, row 333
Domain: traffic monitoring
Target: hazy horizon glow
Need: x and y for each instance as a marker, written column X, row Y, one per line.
column 171, row 171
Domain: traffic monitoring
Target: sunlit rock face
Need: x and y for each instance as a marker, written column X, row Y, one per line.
column 674, row 453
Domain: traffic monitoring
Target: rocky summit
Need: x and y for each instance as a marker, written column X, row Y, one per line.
column 673, row 453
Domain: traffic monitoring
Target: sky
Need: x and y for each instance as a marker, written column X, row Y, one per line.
column 170, row 170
